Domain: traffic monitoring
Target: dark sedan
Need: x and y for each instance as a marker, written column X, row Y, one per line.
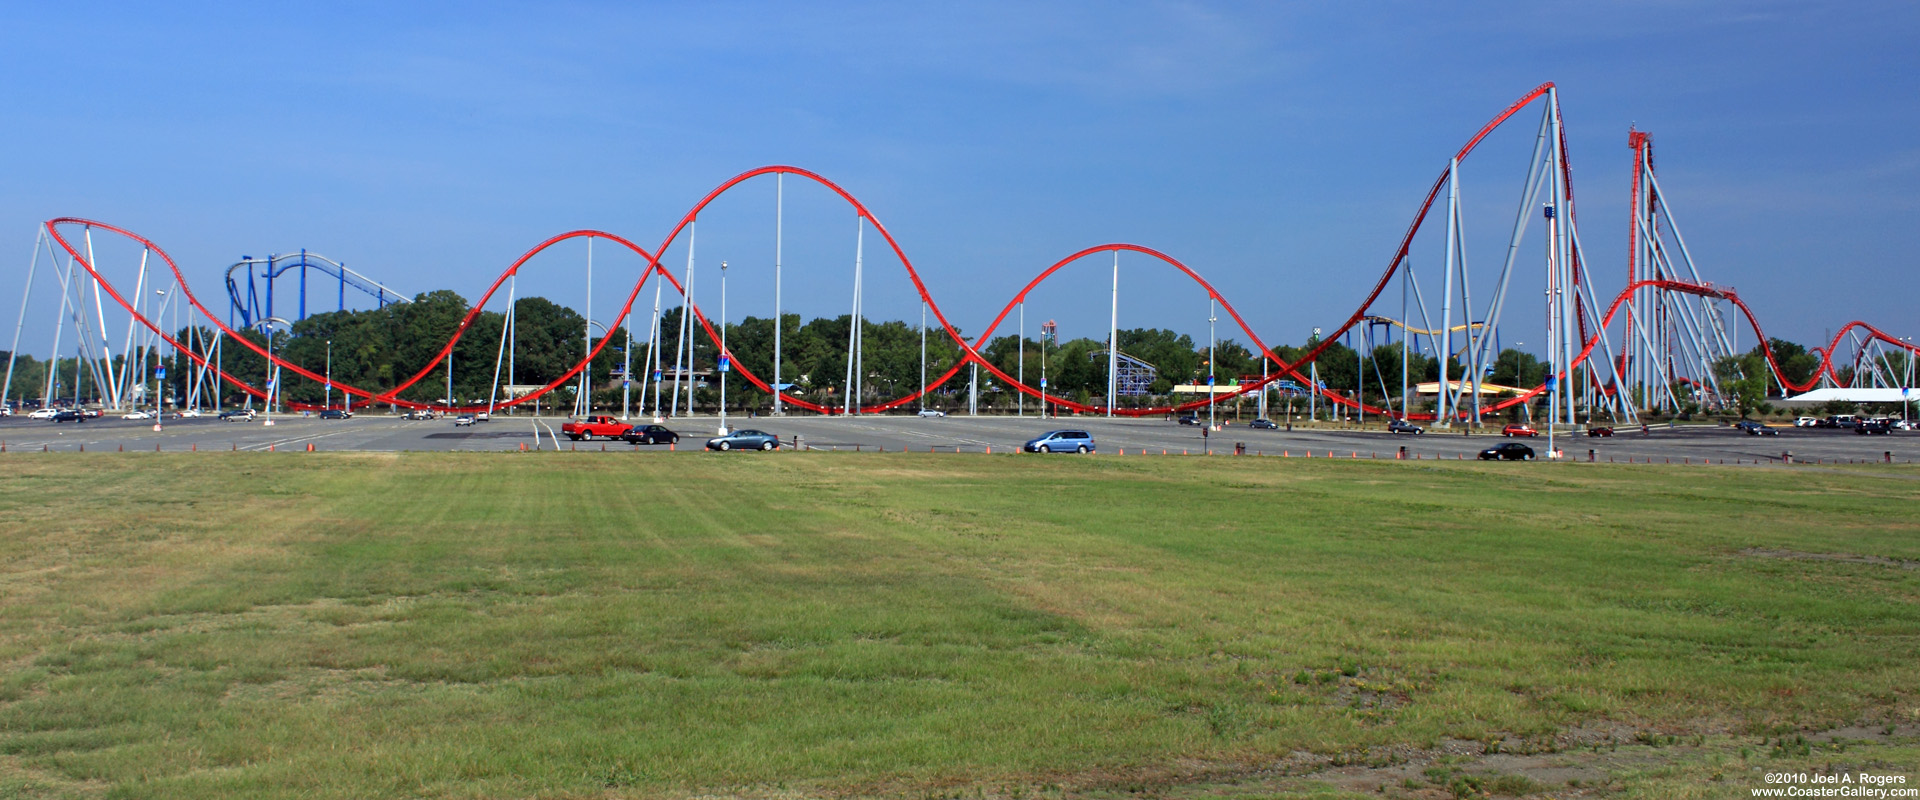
column 1190, row 419
column 1600, row 430
column 745, row 440
column 649, row 434
column 1263, row 424
column 70, row 416
column 335, row 413
column 1507, row 451
column 1402, row 426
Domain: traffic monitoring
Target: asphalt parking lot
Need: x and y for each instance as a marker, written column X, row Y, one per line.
column 380, row 433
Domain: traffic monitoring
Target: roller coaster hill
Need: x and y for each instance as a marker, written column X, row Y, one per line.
column 1666, row 342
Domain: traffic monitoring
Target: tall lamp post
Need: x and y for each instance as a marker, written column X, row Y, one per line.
column 329, row 400
column 273, row 370
column 1212, row 317
column 159, row 371
column 726, row 356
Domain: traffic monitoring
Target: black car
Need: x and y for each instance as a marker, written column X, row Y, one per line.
column 1600, row 430
column 1507, row 451
column 1190, row 419
column 1403, row 426
column 1872, row 427
column 1755, row 429
column 650, row 434
column 70, row 416
column 335, row 413
column 1263, row 424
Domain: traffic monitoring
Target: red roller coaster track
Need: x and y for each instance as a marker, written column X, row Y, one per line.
column 970, row 350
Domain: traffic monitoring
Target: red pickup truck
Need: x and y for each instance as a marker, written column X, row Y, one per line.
column 590, row 427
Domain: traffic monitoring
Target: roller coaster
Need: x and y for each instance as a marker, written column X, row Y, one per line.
column 1660, row 338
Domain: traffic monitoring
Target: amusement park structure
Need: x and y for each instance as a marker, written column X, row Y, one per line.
column 255, row 303
column 1662, row 341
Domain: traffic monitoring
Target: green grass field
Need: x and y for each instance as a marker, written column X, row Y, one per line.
column 575, row 626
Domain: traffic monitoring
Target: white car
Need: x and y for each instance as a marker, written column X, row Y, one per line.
column 928, row 412
column 1805, row 422
column 463, row 420
column 42, row 413
column 137, row 415
column 186, row 413
column 6, row 411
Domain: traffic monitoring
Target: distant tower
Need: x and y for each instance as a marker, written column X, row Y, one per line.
column 1049, row 333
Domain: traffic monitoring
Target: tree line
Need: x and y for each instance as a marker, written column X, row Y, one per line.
column 379, row 348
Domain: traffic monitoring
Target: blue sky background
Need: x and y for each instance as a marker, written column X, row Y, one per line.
column 1280, row 149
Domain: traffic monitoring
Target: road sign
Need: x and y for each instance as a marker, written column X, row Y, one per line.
column 160, row 373
column 726, row 364
column 625, row 384
column 1043, row 383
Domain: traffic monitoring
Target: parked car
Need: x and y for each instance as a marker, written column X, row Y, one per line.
column 42, row 413
column 1060, row 442
column 1518, row 429
column 932, row 412
column 1403, row 426
column 242, row 414
column 745, row 440
column 463, row 420
column 1906, row 425
column 650, row 434
column 1806, row 422
column 1264, row 424
column 6, row 411
column 1190, row 419
column 336, row 413
column 1600, row 430
column 1507, row 451
column 1873, row 427
column 587, row 428
column 137, row 414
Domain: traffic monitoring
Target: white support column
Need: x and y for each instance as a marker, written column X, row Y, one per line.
column 779, row 231
column 1019, row 398
column 1445, row 407
column 33, row 265
column 1113, row 339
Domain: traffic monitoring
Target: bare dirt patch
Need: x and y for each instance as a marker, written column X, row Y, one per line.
column 1847, row 558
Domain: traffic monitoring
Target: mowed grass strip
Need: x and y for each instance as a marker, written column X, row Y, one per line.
column 482, row 625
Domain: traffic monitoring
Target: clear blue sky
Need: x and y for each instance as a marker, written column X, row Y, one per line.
column 1280, row 149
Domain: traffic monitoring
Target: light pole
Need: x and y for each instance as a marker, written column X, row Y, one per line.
column 1525, row 408
column 1313, row 377
column 160, row 370
column 1212, row 317
column 726, row 356
column 273, row 370
column 329, row 400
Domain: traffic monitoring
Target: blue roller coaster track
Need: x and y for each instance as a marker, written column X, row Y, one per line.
column 252, row 306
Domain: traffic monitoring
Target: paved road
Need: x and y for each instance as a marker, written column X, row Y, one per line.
column 1002, row 434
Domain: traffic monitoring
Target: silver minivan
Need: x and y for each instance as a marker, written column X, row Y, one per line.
column 1061, row 442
